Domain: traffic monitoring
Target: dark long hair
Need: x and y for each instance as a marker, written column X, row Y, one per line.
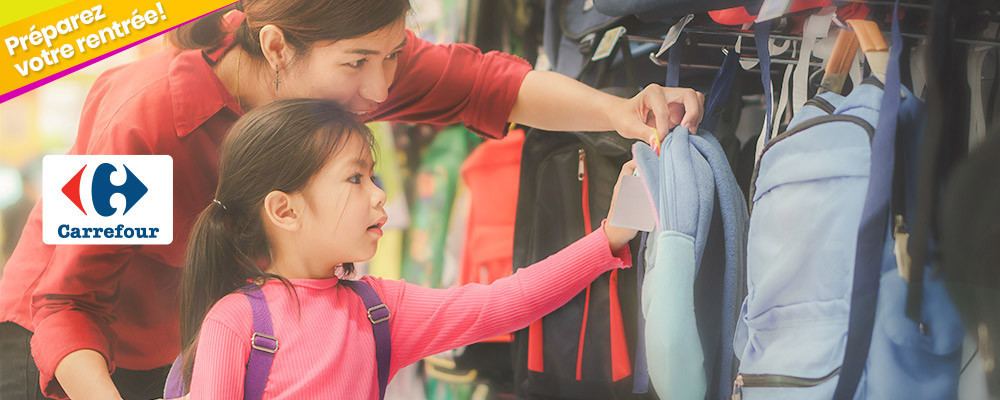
column 303, row 22
column 278, row 146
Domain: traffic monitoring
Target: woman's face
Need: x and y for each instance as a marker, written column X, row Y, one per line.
column 353, row 72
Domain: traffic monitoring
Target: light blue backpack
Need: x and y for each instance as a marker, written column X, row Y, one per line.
column 701, row 233
column 807, row 195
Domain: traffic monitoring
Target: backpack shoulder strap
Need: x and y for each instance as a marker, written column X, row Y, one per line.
column 263, row 345
column 378, row 314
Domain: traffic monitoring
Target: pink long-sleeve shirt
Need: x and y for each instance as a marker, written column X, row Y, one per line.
column 327, row 350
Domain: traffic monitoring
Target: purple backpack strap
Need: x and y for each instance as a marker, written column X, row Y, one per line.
column 174, row 388
column 263, row 345
column 378, row 314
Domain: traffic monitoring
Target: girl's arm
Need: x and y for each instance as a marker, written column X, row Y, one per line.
column 552, row 101
column 429, row 321
column 220, row 363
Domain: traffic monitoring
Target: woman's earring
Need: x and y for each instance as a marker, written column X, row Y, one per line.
column 276, row 80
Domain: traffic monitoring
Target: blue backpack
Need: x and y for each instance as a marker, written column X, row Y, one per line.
column 694, row 265
column 820, row 253
column 807, row 194
column 690, row 272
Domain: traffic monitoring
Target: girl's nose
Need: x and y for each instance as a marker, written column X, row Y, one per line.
column 378, row 197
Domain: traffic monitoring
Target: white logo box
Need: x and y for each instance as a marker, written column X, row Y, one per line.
column 149, row 221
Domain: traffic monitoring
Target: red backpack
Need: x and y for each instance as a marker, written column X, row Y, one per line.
column 491, row 174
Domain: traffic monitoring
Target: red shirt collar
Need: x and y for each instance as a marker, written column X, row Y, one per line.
column 196, row 91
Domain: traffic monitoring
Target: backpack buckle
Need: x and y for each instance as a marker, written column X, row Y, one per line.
column 266, row 346
column 375, row 319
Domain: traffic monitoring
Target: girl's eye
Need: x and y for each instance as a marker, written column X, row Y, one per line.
column 355, row 179
column 357, row 64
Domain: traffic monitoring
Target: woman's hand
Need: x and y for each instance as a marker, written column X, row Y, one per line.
column 657, row 107
column 618, row 237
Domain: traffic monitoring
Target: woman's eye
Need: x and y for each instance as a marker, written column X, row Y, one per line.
column 355, row 179
column 357, row 64
column 393, row 55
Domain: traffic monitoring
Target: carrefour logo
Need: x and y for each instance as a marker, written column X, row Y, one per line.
column 107, row 200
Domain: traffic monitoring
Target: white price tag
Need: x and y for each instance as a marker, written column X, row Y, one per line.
column 608, row 43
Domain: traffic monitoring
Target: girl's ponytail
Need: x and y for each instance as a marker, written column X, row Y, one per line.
column 214, row 267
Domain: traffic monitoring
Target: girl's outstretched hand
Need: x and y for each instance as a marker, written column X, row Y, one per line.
column 618, row 237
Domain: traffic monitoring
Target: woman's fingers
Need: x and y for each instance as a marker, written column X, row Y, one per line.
column 659, row 108
column 673, row 106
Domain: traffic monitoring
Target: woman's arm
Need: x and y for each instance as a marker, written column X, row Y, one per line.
column 552, row 101
column 72, row 311
column 76, row 299
column 83, row 374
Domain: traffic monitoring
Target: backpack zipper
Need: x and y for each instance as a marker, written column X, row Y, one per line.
column 776, row 381
column 581, row 175
column 536, row 338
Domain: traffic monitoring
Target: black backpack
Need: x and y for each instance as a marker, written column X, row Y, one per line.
column 567, row 179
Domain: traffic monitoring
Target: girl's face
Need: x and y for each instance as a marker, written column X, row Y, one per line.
column 353, row 72
column 344, row 212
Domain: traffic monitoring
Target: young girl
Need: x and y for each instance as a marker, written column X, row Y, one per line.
column 295, row 206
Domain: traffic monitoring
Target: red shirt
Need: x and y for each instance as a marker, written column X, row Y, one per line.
column 123, row 301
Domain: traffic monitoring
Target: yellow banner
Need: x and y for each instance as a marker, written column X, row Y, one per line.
column 56, row 42
column 16, row 10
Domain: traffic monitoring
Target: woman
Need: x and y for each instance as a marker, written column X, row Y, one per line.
column 89, row 309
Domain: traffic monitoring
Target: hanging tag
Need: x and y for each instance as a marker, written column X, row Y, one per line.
column 673, row 34
column 588, row 5
column 772, row 9
column 901, row 236
column 608, row 43
column 632, row 206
